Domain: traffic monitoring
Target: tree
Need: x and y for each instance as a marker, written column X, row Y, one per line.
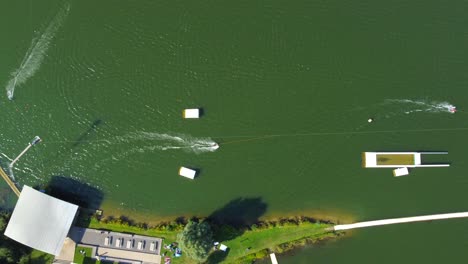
column 6, row 255
column 196, row 240
column 10, row 250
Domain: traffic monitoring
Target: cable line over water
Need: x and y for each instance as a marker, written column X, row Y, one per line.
column 252, row 137
column 246, row 138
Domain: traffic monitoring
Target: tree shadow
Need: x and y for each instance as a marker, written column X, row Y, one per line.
column 240, row 212
column 42, row 259
column 232, row 220
column 217, row 257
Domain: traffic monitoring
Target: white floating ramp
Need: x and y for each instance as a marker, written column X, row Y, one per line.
column 187, row 173
column 191, row 113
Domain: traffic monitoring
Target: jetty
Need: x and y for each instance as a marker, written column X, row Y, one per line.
column 35, row 140
column 401, row 220
column 9, row 182
column 273, row 258
column 397, row 159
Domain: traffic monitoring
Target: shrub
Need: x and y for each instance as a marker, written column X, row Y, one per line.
column 196, row 240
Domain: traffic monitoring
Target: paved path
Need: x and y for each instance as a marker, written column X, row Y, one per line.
column 401, row 220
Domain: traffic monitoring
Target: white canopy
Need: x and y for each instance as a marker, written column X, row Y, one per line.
column 40, row 221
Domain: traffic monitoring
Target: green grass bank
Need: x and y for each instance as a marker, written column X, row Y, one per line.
column 245, row 244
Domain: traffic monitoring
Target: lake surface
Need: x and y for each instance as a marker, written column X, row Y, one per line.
column 286, row 90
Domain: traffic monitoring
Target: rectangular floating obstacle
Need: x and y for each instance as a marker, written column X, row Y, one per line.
column 188, row 173
column 400, row 172
column 399, row 160
column 191, row 113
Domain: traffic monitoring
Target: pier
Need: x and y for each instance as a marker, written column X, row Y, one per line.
column 9, row 182
column 401, row 220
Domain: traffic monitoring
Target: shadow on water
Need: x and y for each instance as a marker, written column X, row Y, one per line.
column 76, row 192
column 86, row 135
column 240, row 212
column 87, row 197
column 232, row 220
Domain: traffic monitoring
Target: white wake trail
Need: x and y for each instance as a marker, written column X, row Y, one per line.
column 36, row 53
column 412, row 106
column 169, row 142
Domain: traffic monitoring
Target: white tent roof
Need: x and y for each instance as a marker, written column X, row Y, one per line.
column 40, row 221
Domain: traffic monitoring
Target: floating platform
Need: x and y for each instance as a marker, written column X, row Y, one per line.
column 397, row 160
column 400, row 172
column 191, row 113
column 187, row 173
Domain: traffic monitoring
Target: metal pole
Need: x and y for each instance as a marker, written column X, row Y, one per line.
column 36, row 140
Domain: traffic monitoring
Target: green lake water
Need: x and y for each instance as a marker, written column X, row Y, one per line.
column 286, row 89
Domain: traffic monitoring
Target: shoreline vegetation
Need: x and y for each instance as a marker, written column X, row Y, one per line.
column 246, row 243
column 14, row 252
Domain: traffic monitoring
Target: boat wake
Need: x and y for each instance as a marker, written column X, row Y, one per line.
column 36, row 53
column 414, row 106
column 171, row 142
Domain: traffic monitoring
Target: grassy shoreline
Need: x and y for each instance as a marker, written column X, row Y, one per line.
column 246, row 244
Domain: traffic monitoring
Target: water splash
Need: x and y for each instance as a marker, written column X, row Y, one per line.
column 413, row 106
column 170, row 142
column 36, row 53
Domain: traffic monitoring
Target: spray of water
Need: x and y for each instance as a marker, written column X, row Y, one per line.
column 169, row 142
column 36, row 53
column 413, row 106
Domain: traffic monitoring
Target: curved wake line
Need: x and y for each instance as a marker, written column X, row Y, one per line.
column 36, row 53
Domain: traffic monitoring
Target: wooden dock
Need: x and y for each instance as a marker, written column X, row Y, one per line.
column 9, row 182
column 401, row 220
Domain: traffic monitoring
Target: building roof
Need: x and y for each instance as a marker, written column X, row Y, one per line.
column 40, row 221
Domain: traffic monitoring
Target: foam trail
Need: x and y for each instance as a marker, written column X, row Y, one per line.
column 36, row 53
column 413, row 106
column 168, row 142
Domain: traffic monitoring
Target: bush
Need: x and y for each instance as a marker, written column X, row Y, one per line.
column 10, row 250
column 196, row 240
